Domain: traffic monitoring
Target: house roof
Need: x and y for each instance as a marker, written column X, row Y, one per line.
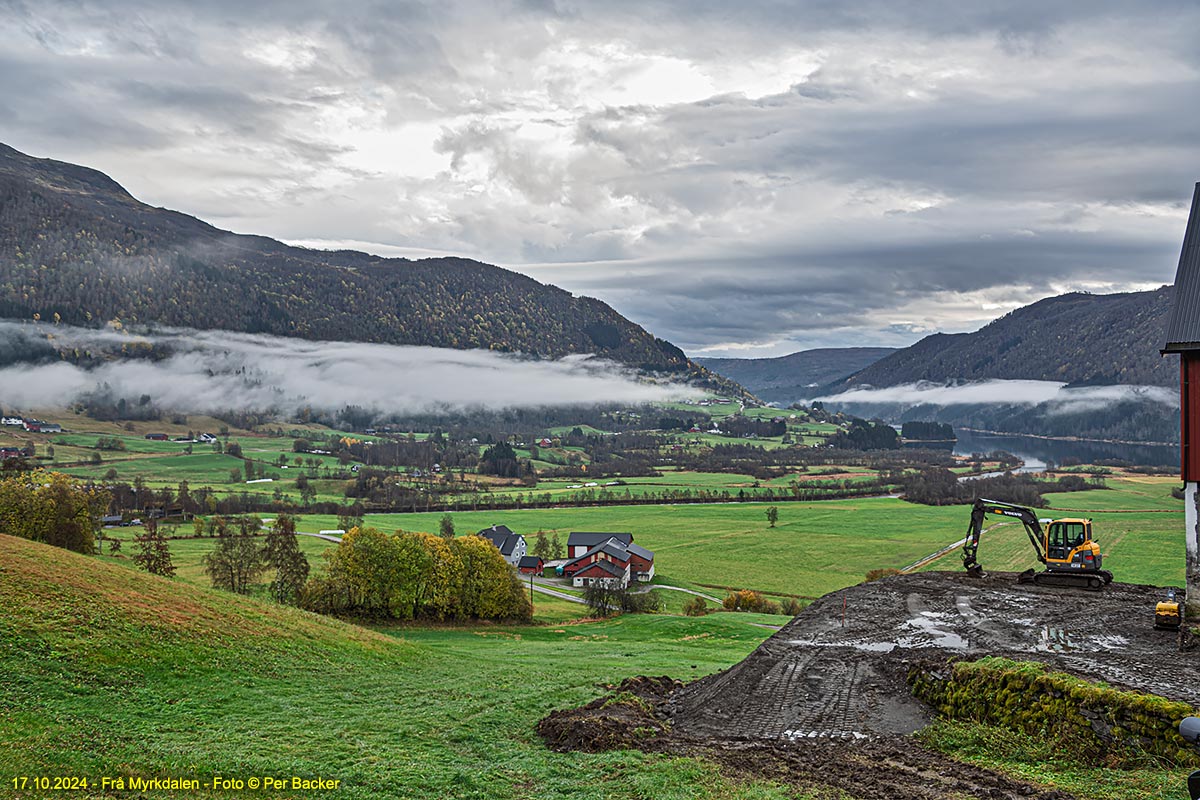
column 1183, row 326
column 529, row 561
column 638, row 550
column 504, row 539
column 590, row 540
column 613, row 546
column 605, row 566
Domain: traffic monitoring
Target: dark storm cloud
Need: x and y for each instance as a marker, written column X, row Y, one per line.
column 759, row 175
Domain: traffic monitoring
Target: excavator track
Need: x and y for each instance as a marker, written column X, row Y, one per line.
column 1091, row 581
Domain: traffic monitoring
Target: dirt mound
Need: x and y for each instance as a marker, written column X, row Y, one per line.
column 630, row 718
column 825, row 701
column 902, row 768
column 626, row 719
column 818, row 678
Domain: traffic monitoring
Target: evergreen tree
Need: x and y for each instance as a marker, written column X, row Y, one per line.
column 153, row 554
column 446, row 527
column 541, row 546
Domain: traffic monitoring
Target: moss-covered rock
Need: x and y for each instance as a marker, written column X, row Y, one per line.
column 1097, row 723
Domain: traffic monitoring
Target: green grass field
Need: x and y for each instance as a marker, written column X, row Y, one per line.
column 818, row 547
column 106, row 671
column 1145, row 547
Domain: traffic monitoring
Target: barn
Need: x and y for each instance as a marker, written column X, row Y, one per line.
column 1183, row 337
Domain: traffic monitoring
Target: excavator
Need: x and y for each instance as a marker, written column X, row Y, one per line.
column 1065, row 546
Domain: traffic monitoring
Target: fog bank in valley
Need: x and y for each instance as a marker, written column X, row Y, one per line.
column 208, row 371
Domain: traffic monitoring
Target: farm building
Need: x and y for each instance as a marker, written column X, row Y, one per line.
column 1183, row 337
column 579, row 542
column 156, row 437
column 511, row 545
column 530, row 565
column 602, row 573
column 613, row 560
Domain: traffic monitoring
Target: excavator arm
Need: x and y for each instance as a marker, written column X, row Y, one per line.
column 982, row 507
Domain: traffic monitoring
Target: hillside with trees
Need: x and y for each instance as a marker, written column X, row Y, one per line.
column 793, row 377
column 75, row 247
column 1076, row 338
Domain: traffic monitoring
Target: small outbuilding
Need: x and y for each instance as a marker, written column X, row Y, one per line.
column 530, row 565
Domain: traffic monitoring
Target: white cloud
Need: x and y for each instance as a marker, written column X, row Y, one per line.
column 905, row 147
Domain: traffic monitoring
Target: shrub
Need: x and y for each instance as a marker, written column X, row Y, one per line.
column 695, row 606
column 747, row 600
column 884, row 572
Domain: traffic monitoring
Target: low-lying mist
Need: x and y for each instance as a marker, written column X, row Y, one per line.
column 1039, row 408
column 1054, row 397
column 215, row 371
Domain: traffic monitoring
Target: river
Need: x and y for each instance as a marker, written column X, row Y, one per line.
column 1036, row 452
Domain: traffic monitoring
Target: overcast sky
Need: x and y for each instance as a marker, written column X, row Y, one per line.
column 746, row 178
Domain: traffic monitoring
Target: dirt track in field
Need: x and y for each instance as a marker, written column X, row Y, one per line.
column 826, row 702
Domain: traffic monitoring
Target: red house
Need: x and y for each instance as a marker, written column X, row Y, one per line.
column 1183, row 337
column 530, row 565
column 615, row 560
column 579, row 542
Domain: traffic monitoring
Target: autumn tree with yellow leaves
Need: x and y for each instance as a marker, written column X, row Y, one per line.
column 52, row 508
column 417, row 576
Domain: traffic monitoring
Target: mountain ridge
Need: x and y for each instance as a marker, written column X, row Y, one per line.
column 785, row 379
column 77, row 247
column 1075, row 338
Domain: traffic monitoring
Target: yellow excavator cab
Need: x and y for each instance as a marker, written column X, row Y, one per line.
column 1069, row 541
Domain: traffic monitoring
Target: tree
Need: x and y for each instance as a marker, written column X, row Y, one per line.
column 773, row 515
column 541, row 546
column 52, row 508
column 281, row 552
column 605, row 598
column 556, row 548
column 446, row 527
column 349, row 519
column 153, row 554
column 235, row 562
column 695, row 606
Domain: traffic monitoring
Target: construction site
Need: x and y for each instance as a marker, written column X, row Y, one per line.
column 828, row 700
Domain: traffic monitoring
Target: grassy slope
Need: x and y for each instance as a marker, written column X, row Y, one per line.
column 105, row 671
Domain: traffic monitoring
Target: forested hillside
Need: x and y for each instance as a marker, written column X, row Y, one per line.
column 1075, row 338
column 789, row 378
column 76, row 246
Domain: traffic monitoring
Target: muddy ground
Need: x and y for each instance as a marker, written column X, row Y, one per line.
column 825, row 700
